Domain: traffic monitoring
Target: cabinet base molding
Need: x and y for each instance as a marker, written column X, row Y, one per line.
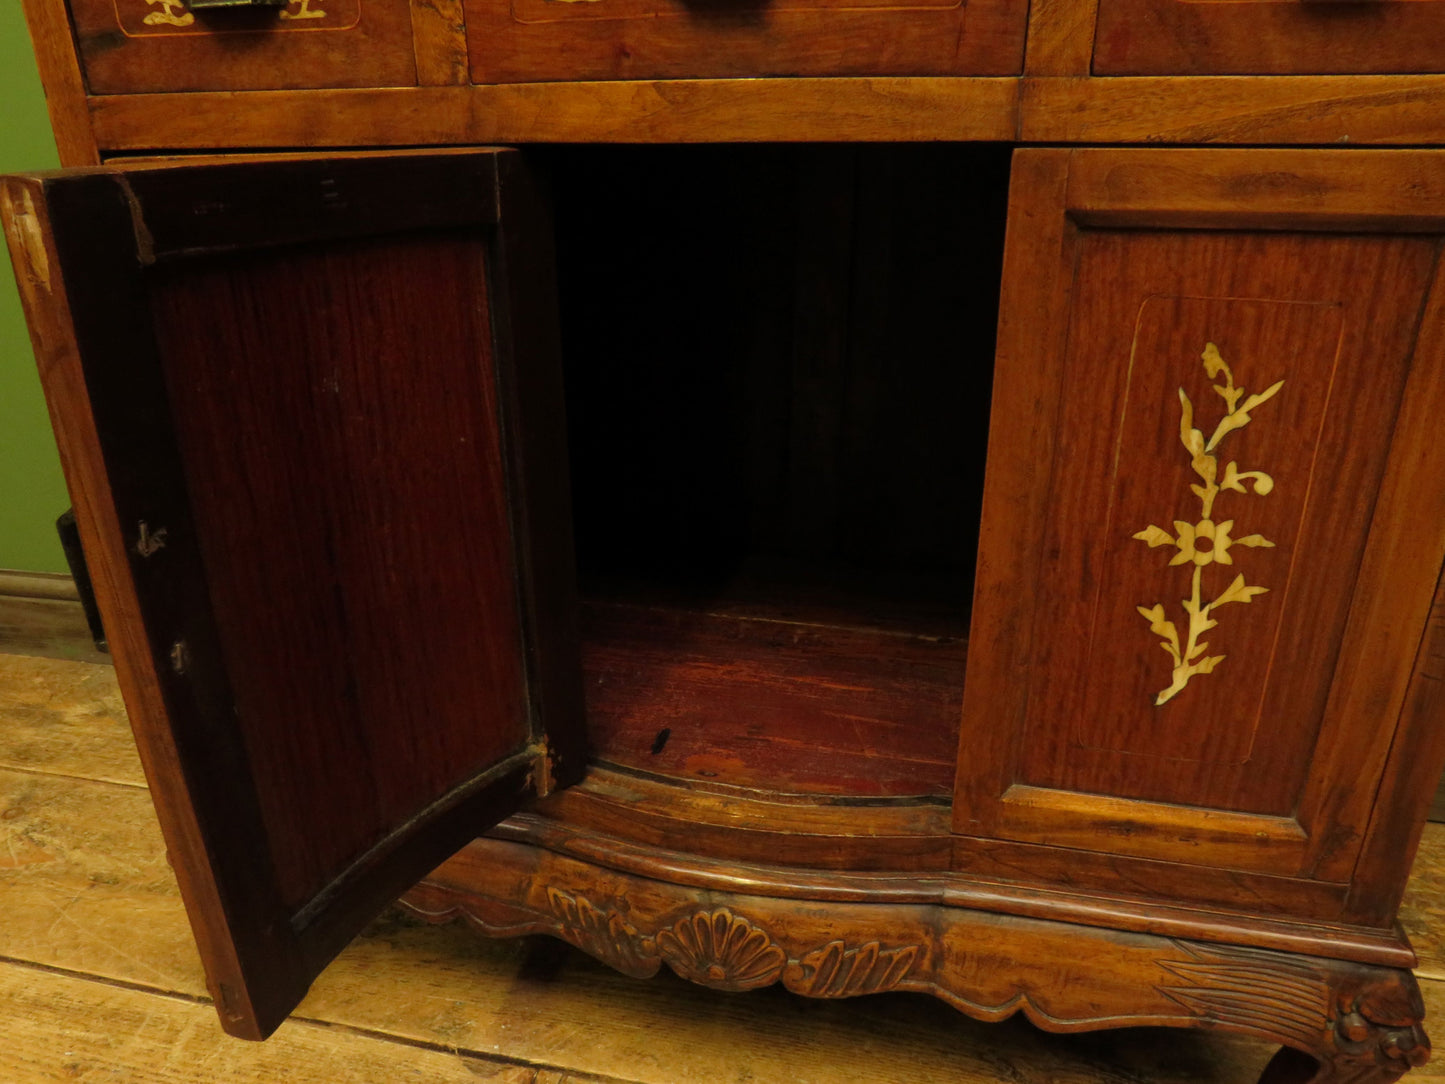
column 1341, row 1023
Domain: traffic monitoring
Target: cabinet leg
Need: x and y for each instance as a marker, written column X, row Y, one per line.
column 1374, row 1036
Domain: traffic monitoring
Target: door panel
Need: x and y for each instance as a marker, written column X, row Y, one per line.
column 1198, row 460
column 325, row 460
column 1148, row 306
column 289, row 402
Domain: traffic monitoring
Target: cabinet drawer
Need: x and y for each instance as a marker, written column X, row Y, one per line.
column 138, row 46
column 518, row 41
column 1269, row 37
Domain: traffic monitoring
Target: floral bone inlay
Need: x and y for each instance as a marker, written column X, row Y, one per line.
column 171, row 13
column 174, row 13
column 303, row 11
column 1207, row 541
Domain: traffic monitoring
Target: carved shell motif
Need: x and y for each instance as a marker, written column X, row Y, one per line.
column 728, row 952
column 721, row 950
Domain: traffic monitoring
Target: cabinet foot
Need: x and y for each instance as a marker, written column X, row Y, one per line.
column 1373, row 1033
column 1340, row 1022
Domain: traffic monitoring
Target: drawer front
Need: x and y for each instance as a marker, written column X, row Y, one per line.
column 518, row 41
column 143, row 46
column 1269, row 37
column 1211, row 521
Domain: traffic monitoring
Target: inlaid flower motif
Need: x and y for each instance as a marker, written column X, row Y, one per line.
column 721, row 950
column 1203, row 543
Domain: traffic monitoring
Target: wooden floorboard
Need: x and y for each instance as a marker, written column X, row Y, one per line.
column 65, row 718
column 60, row 1027
column 1423, row 911
column 47, row 627
column 99, row 979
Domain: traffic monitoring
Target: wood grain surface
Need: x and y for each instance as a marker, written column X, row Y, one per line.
column 46, row 626
column 64, row 719
column 113, row 992
column 62, row 1027
column 331, row 543
column 1087, row 753
column 351, row 44
column 530, row 41
column 818, row 709
column 1364, row 110
column 1249, row 109
column 357, row 515
column 887, row 109
column 1255, row 37
column 64, row 82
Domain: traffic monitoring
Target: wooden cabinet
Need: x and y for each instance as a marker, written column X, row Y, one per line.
column 999, row 571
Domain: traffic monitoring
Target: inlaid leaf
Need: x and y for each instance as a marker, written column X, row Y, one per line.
column 1263, row 397
column 1155, row 536
column 1238, row 591
column 1193, row 439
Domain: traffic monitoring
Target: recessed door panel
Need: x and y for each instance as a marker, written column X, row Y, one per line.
column 1216, row 576
column 308, row 411
column 1198, row 468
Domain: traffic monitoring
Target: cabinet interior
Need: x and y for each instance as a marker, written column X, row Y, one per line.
column 778, row 363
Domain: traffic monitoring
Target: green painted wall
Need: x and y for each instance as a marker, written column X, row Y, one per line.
column 32, row 492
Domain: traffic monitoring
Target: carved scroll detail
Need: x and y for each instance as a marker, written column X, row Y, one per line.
column 1207, row 541
column 604, row 934
column 837, row 971
column 1340, row 1022
column 1363, row 1026
column 1378, row 1025
column 726, row 951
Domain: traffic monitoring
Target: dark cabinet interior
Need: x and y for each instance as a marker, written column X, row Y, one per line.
column 777, row 363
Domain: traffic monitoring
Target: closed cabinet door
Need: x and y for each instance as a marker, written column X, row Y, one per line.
column 1213, row 520
column 308, row 415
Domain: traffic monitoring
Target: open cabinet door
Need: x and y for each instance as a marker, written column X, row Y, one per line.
column 310, row 416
